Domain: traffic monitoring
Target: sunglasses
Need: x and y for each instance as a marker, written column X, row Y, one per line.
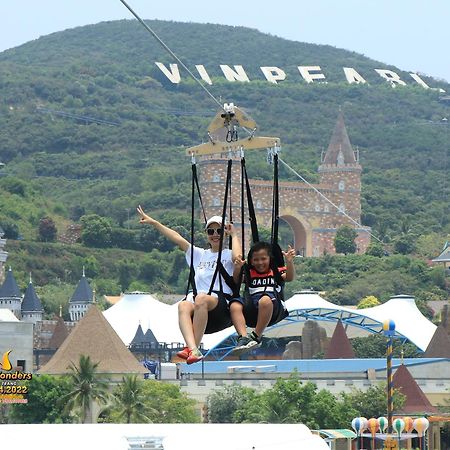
column 212, row 231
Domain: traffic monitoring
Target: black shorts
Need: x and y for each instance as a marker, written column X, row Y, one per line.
column 219, row 317
column 250, row 310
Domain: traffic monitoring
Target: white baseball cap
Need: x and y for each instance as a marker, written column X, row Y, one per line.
column 213, row 219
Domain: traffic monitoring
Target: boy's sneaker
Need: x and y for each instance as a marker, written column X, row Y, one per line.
column 195, row 355
column 255, row 338
column 184, row 354
column 245, row 343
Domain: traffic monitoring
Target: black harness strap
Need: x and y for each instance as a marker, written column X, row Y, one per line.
column 242, row 206
column 251, row 208
column 275, row 202
column 195, row 177
column 222, row 228
column 191, row 279
column 277, row 259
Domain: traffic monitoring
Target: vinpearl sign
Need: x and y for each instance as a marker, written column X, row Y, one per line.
column 275, row 74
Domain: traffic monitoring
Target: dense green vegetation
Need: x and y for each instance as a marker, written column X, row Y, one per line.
column 291, row 401
column 69, row 399
column 68, row 170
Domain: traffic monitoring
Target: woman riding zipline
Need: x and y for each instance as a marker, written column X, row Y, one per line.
column 208, row 311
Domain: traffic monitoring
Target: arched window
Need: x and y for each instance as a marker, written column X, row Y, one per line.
column 317, row 207
column 216, row 201
column 326, row 208
column 258, row 204
column 341, row 185
column 216, row 177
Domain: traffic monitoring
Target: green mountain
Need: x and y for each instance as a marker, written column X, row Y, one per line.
column 56, row 93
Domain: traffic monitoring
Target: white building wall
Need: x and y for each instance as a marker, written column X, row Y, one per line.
column 17, row 337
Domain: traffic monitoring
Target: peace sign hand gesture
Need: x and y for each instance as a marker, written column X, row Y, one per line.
column 144, row 218
column 289, row 254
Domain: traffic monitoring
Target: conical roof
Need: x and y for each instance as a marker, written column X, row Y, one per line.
column 340, row 346
column 93, row 336
column 59, row 334
column 9, row 288
column 149, row 338
column 31, row 301
column 83, row 292
column 138, row 337
column 416, row 401
column 339, row 149
column 439, row 346
column 445, row 254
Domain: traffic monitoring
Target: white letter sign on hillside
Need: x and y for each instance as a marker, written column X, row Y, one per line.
column 273, row 74
column 203, row 73
column 353, row 76
column 419, row 80
column 238, row 74
column 305, row 72
column 390, row 76
column 173, row 74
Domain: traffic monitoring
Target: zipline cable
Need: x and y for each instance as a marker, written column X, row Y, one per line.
column 166, row 47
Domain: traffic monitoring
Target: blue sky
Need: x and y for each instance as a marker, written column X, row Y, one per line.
column 411, row 34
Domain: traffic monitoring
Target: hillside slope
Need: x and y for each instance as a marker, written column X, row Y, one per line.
column 107, row 71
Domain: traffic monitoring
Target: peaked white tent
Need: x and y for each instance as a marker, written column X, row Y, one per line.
column 140, row 308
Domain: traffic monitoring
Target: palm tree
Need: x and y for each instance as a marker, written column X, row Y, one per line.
column 87, row 387
column 129, row 401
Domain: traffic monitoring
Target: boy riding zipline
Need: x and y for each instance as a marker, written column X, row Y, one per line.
column 262, row 302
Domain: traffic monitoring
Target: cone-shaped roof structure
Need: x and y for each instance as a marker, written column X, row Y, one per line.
column 416, row 402
column 340, row 346
column 59, row 334
column 439, row 346
column 445, row 254
column 93, row 336
column 31, row 301
column 138, row 337
column 83, row 292
column 149, row 338
column 340, row 149
column 9, row 288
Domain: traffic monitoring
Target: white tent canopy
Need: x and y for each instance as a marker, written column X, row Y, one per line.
column 162, row 319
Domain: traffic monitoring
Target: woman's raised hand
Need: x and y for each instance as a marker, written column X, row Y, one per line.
column 144, row 218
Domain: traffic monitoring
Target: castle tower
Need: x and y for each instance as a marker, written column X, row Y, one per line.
column 340, row 171
column 32, row 310
column 340, row 177
column 10, row 296
column 3, row 255
column 81, row 300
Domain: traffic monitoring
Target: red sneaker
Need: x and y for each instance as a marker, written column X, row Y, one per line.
column 184, row 354
column 195, row 355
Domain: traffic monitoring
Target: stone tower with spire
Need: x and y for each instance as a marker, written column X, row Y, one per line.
column 31, row 309
column 81, row 300
column 340, row 175
column 10, row 296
